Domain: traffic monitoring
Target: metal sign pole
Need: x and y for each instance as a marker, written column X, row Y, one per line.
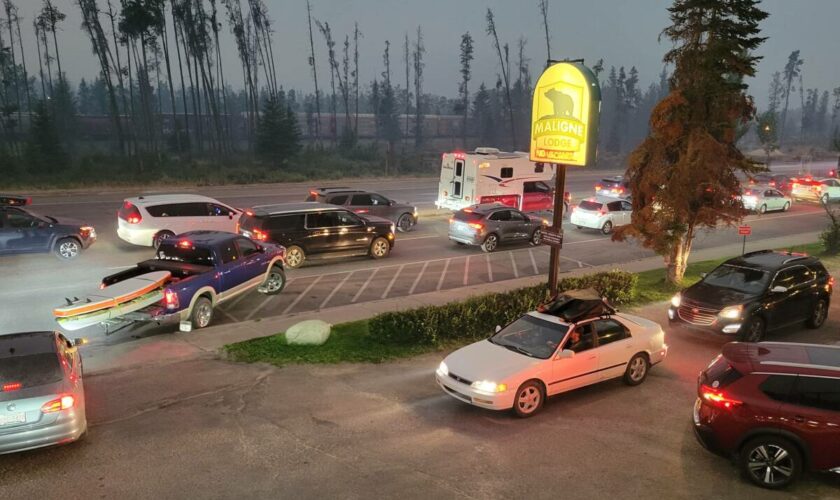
column 557, row 223
column 744, row 245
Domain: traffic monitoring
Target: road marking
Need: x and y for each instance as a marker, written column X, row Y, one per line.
column 513, row 265
column 583, row 241
column 533, row 261
column 417, row 280
column 367, row 282
column 489, row 268
column 259, row 307
column 419, row 237
column 299, row 297
column 443, row 274
column 335, row 289
column 391, row 284
column 579, row 263
column 467, row 270
column 229, row 315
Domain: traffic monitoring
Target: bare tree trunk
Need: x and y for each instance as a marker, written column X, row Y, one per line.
column 23, row 63
column 544, row 13
column 48, row 58
column 55, row 44
column 312, row 63
column 491, row 30
column 9, row 7
column 407, row 57
column 165, row 45
column 119, row 67
column 183, row 86
column 356, row 35
column 40, row 62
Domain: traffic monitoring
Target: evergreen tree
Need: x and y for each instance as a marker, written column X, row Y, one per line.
column 484, row 117
column 278, row 134
column 45, row 155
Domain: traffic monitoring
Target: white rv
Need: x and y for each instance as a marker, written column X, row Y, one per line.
column 488, row 175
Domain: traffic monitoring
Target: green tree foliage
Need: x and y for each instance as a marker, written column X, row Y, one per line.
column 45, row 153
column 683, row 176
column 278, row 134
column 768, row 132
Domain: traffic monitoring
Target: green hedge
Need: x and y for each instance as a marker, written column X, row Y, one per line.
column 476, row 318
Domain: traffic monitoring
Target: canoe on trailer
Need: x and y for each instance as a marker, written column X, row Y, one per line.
column 73, row 323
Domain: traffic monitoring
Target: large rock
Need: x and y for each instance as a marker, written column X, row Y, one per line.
column 309, row 332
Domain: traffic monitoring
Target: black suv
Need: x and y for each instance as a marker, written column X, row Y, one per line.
column 312, row 230
column 759, row 291
column 368, row 203
column 25, row 231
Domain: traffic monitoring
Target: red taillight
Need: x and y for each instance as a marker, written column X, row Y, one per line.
column 567, row 196
column 130, row 213
column 185, row 244
column 597, row 187
column 134, row 219
column 831, row 281
column 314, row 193
column 249, row 213
column 362, row 211
column 459, row 155
column 12, row 386
column 237, row 228
column 62, row 403
column 718, row 397
column 772, row 183
column 170, row 298
column 260, row 235
column 476, row 225
column 602, row 212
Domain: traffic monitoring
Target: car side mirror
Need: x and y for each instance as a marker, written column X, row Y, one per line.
column 391, row 203
column 778, row 289
column 498, row 328
column 80, row 341
column 566, row 354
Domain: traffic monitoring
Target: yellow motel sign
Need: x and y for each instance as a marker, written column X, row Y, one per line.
column 564, row 117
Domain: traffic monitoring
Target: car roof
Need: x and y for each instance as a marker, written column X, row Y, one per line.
column 206, row 237
column 770, row 259
column 283, row 208
column 336, row 190
column 154, row 199
column 486, row 208
column 26, row 343
column 784, row 358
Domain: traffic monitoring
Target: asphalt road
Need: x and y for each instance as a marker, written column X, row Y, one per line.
column 423, row 260
column 211, row 429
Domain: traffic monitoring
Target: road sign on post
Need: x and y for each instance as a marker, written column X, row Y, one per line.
column 744, row 231
column 564, row 131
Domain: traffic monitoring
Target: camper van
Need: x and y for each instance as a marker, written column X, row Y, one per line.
column 488, row 175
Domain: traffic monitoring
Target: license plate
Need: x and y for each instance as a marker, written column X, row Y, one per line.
column 12, row 418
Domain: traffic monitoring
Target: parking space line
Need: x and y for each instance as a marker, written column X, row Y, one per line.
column 256, row 309
column 367, row 282
column 489, row 268
column 533, row 261
column 443, row 274
column 513, row 265
column 420, row 237
column 229, row 315
column 391, row 284
column 417, row 280
column 335, row 289
column 467, row 270
column 299, row 297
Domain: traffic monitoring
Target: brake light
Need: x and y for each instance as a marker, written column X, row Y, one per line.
column 597, row 187
column 130, row 213
column 459, row 155
column 362, row 211
column 567, row 196
column 772, row 183
column 476, row 225
column 237, row 228
column 620, row 190
column 62, row 403
column 718, row 397
column 11, row 386
column 85, row 231
column 314, row 193
column 185, row 244
column 170, row 298
column 249, row 213
column 831, row 281
column 260, row 235
column 602, row 211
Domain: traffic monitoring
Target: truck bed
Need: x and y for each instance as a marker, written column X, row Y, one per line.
column 179, row 270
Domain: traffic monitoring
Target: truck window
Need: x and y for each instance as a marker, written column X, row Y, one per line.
column 228, row 252
column 459, row 168
column 246, row 247
column 190, row 255
column 506, row 172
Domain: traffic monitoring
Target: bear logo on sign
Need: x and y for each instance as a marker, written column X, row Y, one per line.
column 562, row 102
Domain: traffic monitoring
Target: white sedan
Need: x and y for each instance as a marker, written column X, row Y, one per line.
column 540, row 355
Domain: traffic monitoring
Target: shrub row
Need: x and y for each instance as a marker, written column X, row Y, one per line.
column 475, row 318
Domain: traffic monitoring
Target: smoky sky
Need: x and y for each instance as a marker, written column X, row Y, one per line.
column 622, row 32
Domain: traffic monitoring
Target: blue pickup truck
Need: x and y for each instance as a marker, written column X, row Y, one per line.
column 207, row 268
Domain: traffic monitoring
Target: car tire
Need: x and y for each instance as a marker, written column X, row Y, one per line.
column 275, row 282
column 490, row 243
column 380, row 248
column 529, row 399
column 160, row 236
column 202, row 313
column 825, row 199
column 405, row 223
column 818, row 315
column 607, row 227
column 762, row 209
column 637, row 369
column 579, row 227
column 754, row 331
column 295, row 257
column 786, row 207
column 771, row 462
column 68, row 248
column 536, row 237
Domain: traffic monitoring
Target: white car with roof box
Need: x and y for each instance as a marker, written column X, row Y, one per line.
column 574, row 341
column 148, row 220
column 602, row 213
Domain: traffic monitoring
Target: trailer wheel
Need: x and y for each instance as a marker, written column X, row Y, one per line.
column 202, row 313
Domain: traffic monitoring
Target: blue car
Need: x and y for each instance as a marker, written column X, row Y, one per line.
column 25, row 231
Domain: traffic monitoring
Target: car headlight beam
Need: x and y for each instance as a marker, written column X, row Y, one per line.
column 676, row 300
column 732, row 312
column 488, row 386
column 443, row 370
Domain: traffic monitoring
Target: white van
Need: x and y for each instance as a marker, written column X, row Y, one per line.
column 147, row 220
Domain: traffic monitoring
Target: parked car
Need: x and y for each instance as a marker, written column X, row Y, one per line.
column 492, row 224
column 42, row 396
column 774, row 406
column 25, row 231
column 763, row 199
column 780, row 182
column 148, row 220
column 312, row 230
column 760, row 291
column 804, row 188
column 577, row 341
column 368, row 203
column 602, row 213
column 615, row 187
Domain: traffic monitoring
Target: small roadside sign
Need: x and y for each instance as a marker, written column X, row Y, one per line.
column 744, row 230
column 552, row 236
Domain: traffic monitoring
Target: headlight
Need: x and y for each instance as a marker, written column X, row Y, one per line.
column 676, row 300
column 443, row 370
column 732, row 312
column 393, row 228
column 487, row 386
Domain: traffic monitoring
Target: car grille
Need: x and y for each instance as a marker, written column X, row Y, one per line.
column 696, row 315
column 460, row 379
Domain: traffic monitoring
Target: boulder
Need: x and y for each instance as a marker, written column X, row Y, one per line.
column 309, row 332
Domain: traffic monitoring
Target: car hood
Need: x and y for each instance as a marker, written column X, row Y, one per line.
column 487, row 361
column 67, row 221
column 716, row 296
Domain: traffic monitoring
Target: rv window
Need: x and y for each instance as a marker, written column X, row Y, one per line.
column 507, row 172
column 539, row 168
column 535, row 187
column 457, row 189
column 459, row 168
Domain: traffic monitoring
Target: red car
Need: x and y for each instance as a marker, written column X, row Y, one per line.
column 774, row 406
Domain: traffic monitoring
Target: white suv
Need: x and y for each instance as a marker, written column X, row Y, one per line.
column 147, row 220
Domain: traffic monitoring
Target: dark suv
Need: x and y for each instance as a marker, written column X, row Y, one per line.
column 774, row 406
column 368, row 203
column 25, row 231
column 759, row 291
column 313, row 230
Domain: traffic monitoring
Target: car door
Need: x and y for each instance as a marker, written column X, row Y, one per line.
column 615, row 347
column 500, row 224
column 321, row 231
column 519, row 225
column 251, row 266
column 352, row 232
column 616, row 213
column 221, row 218
column 813, row 413
column 626, row 212
column 228, row 270
column 582, row 368
column 536, row 196
column 25, row 232
column 796, row 303
column 362, row 203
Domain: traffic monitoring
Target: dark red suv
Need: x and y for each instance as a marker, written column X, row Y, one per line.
column 774, row 406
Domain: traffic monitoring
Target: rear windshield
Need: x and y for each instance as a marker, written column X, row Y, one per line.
column 611, row 182
column 468, row 216
column 719, row 373
column 190, row 255
column 590, row 205
column 741, row 279
column 31, row 370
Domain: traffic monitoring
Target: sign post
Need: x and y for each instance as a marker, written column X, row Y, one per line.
column 564, row 131
column 744, row 231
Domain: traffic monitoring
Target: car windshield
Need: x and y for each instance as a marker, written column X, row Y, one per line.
column 742, row 279
column 468, row 216
column 183, row 253
column 531, row 336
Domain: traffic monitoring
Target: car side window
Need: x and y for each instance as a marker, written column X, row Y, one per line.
column 67, row 358
column 285, row 223
column 769, row 194
column 610, row 330
column 246, row 247
column 614, row 206
column 627, row 207
column 361, row 200
column 516, row 216
column 338, row 200
column 582, row 338
column 347, row 219
column 20, row 220
column 785, row 278
column 321, row 220
column 779, row 387
column 542, row 187
column 218, row 210
column 378, row 200
column 797, row 276
column 500, row 216
column 818, row 392
column 229, row 252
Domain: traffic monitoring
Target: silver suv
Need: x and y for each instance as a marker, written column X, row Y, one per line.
column 368, row 203
column 490, row 224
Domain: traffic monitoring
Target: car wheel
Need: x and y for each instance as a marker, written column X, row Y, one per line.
column 786, row 207
column 275, row 282
column 771, row 462
column 536, row 238
column 818, row 315
column 824, row 199
column 607, row 227
column 754, row 331
column 202, row 313
column 380, row 248
column 637, row 370
column 762, row 209
column 295, row 256
column 579, row 227
column 68, row 248
column 491, row 242
column 529, row 399
column 160, row 236
column 405, row 223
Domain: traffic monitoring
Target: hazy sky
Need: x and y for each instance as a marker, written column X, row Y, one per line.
column 622, row 32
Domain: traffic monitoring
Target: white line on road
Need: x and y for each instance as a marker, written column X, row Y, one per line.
column 419, row 237
column 489, row 269
column 299, row 297
column 417, row 279
column 533, row 261
column 259, row 307
column 391, row 284
column 467, row 270
column 513, row 265
column 443, row 274
column 367, row 282
column 335, row 289
column 229, row 315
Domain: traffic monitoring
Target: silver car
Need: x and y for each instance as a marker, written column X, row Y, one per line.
column 368, row 203
column 42, row 398
column 490, row 224
column 764, row 199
